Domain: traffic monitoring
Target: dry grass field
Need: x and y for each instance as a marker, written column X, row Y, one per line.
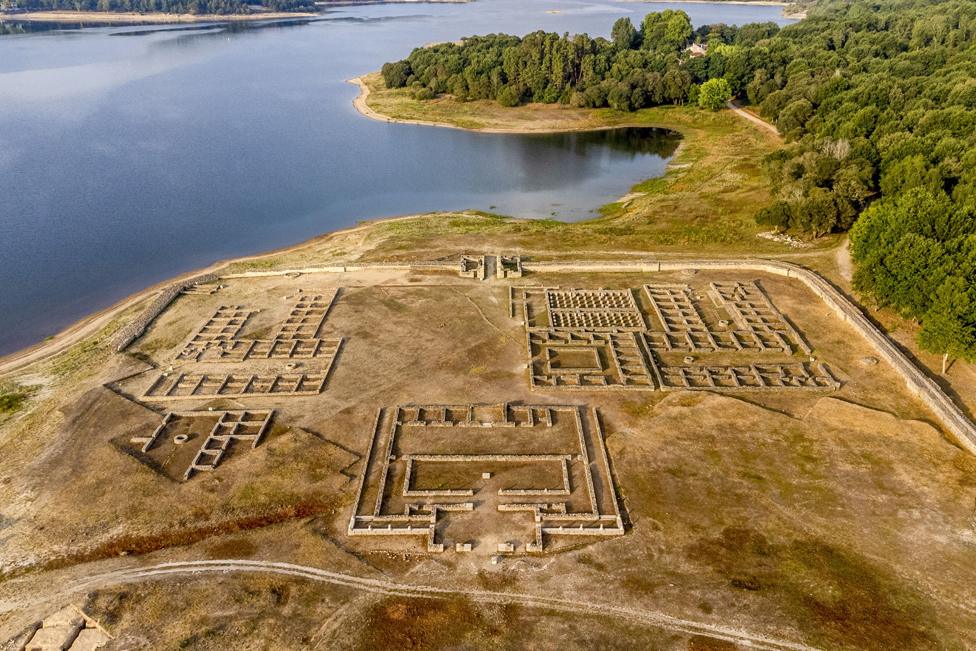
column 831, row 518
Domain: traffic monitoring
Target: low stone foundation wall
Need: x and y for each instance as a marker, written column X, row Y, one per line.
column 918, row 383
column 953, row 418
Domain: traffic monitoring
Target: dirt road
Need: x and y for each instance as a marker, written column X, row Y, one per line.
column 735, row 108
column 635, row 616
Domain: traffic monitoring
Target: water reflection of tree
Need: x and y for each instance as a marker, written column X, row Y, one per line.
column 563, row 160
column 628, row 140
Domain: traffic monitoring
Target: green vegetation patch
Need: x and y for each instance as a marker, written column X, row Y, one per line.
column 12, row 401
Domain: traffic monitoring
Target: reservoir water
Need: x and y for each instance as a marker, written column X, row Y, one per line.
column 131, row 154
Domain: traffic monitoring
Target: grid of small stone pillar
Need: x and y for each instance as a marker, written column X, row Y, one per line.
column 593, row 309
column 754, row 326
column 420, row 518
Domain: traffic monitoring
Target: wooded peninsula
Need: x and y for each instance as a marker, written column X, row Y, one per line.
column 877, row 104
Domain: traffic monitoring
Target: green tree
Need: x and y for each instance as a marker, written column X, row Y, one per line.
column 509, row 96
column 678, row 30
column 713, row 94
column 624, row 35
column 778, row 215
column 949, row 327
column 395, row 75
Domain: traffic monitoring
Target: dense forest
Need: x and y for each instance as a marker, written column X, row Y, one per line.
column 169, row 6
column 876, row 101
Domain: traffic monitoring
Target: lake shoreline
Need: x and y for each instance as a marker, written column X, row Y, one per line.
column 792, row 15
column 364, row 109
column 65, row 16
column 362, row 106
column 92, row 323
column 133, row 18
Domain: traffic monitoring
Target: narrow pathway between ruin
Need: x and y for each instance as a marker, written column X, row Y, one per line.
column 641, row 617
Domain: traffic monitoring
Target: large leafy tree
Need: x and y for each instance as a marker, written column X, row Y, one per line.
column 949, row 326
column 714, row 93
column 624, row 35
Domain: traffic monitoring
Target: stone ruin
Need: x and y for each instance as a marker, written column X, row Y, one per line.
column 508, row 266
column 207, row 436
column 296, row 341
column 296, row 338
column 69, row 629
column 604, row 339
column 205, row 386
column 427, row 464
column 483, row 267
column 473, row 267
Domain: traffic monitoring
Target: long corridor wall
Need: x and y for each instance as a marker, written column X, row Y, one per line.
column 953, row 418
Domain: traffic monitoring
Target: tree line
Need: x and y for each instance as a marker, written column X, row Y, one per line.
column 169, row 6
column 876, row 102
column 636, row 68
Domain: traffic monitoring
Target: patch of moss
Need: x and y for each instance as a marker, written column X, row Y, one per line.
column 14, row 397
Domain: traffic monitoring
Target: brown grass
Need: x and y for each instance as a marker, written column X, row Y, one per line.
column 706, row 201
column 850, row 602
column 147, row 543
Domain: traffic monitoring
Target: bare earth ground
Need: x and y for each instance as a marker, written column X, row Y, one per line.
column 784, row 518
column 833, row 519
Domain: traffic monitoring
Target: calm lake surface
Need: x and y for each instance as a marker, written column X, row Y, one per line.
column 131, row 154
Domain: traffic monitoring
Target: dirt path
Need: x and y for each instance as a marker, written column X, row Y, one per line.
column 632, row 615
column 842, row 256
column 738, row 110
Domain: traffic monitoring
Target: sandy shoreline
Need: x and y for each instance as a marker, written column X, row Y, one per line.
column 364, row 109
column 90, row 324
column 797, row 15
column 154, row 18
column 130, row 17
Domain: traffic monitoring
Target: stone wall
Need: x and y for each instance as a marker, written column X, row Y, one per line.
column 134, row 330
column 953, row 418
